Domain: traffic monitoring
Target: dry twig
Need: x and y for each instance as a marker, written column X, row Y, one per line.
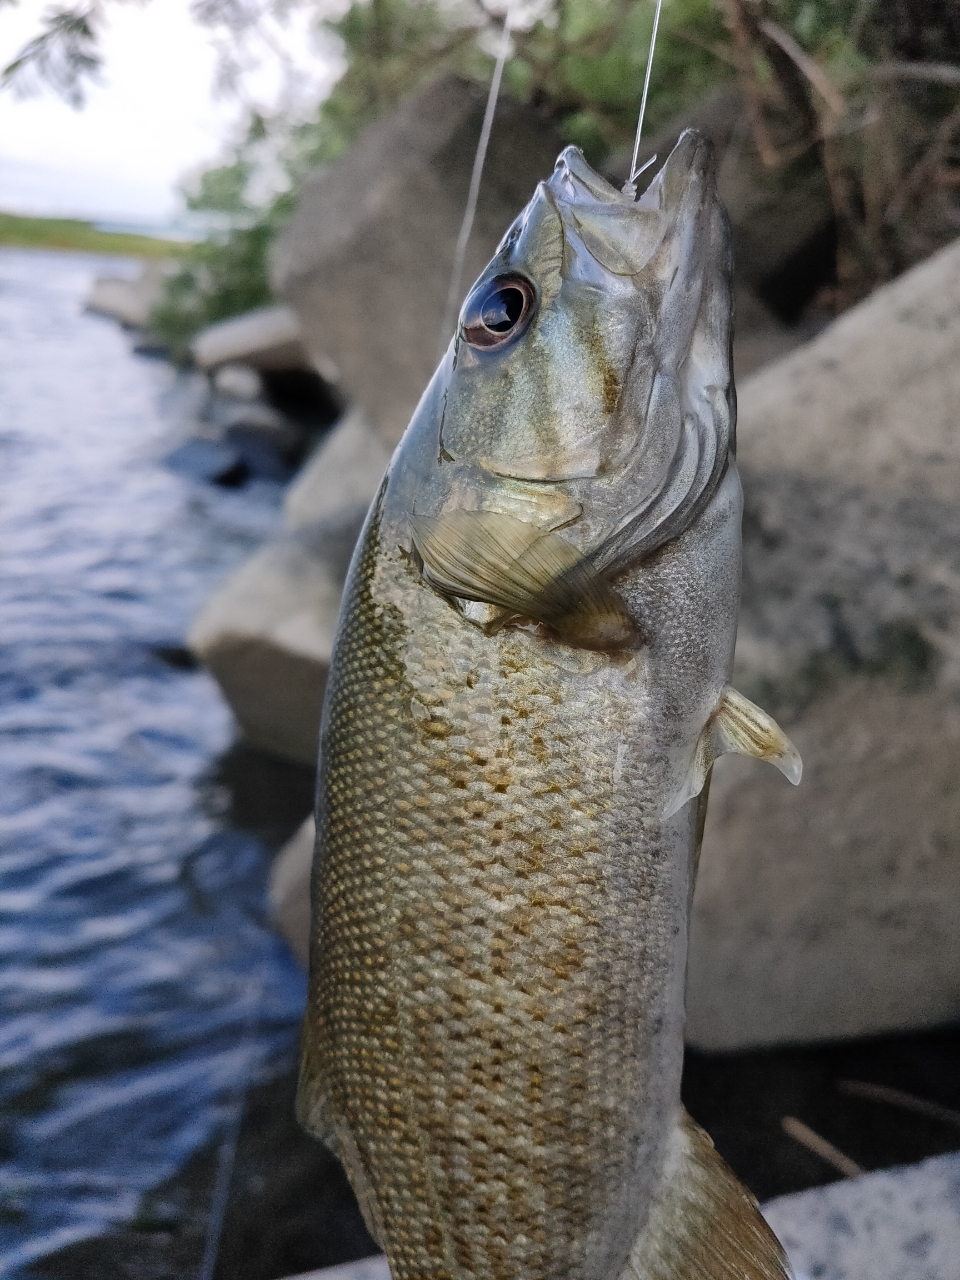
column 931, row 72
column 810, row 68
column 808, row 1138
column 897, row 1098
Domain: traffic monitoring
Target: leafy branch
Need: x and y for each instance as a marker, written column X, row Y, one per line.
column 64, row 55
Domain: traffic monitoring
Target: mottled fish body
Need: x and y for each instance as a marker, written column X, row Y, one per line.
column 529, row 687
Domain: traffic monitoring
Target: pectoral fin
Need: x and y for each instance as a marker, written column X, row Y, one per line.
column 500, row 560
column 737, row 725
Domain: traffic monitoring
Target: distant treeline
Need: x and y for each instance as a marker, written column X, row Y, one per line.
column 71, row 233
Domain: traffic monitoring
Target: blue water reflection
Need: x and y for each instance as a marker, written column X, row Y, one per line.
column 139, row 985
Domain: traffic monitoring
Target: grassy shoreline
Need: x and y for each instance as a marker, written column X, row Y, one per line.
column 23, row 232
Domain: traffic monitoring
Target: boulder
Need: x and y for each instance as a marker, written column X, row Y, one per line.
column 265, row 339
column 366, row 259
column 897, row 1224
column 267, row 634
column 833, row 910
column 290, row 890
column 131, row 299
column 346, row 470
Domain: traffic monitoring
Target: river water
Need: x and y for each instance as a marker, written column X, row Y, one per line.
column 141, row 991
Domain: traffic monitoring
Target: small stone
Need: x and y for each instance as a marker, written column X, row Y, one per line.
column 290, row 890
column 375, row 1268
column 238, row 382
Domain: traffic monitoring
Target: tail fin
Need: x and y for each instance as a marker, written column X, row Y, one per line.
column 704, row 1225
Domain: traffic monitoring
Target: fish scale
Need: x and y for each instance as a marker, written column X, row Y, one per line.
column 511, row 742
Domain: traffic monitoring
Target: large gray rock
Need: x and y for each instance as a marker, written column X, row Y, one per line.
column 267, row 634
column 834, row 910
column 365, row 260
column 898, row 1224
column 345, row 471
column 268, row 338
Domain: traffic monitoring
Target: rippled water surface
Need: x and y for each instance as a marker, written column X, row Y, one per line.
column 139, row 986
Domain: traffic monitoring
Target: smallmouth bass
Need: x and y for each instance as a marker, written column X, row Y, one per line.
column 528, row 691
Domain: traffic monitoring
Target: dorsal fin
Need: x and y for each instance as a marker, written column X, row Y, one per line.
column 704, row 1225
column 737, row 725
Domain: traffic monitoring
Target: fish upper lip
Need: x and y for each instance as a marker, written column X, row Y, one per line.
column 573, row 164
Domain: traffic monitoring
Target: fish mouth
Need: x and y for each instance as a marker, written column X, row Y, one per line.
column 616, row 232
column 575, row 181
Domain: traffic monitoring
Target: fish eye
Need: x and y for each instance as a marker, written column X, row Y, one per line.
column 498, row 311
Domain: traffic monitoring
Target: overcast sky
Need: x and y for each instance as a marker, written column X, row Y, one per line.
column 153, row 118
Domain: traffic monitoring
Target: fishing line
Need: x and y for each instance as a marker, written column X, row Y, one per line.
column 629, row 188
column 460, row 252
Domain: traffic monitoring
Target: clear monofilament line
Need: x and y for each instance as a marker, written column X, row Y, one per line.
column 460, row 252
column 629, row 187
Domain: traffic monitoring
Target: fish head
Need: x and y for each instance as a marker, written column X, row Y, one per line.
column 583, row 289
column 588, row 386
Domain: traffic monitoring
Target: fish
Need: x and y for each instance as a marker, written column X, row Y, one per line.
column 530, row 684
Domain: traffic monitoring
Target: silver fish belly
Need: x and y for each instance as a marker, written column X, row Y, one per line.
column 529, row 688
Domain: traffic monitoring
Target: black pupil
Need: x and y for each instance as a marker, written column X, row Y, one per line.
column 502, row 310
